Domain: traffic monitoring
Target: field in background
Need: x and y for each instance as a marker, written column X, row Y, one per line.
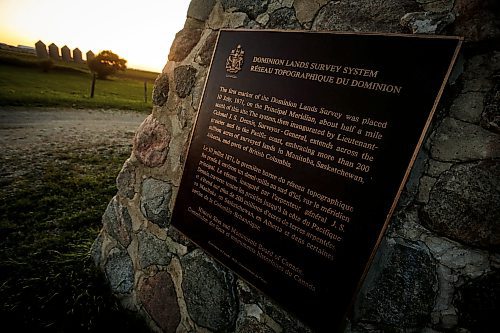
column 22, row 82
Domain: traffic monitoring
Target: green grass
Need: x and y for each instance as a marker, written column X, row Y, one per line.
column 49, row 218
column 68, row 85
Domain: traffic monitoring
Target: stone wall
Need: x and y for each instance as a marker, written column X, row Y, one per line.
column 438, row 267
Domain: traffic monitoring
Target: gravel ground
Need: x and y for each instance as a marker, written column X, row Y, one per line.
column 31, row 136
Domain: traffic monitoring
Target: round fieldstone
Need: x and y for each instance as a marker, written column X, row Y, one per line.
column 152, row 250
column 151, row 142
column 183, row 43
column 157, row 294
column 155, row 200
column 400, row 289
column 184, row 77
column 283, row 18
column 209, row 292
column 464, row 204
column 117, row 222
column 125, row 181
column 120, row 271
column 252, row 8
column 160, row 90
column 477, row 303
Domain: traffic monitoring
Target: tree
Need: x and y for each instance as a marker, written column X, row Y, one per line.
column 106, row 63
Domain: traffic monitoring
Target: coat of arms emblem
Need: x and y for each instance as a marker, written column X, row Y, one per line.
column 235, row 60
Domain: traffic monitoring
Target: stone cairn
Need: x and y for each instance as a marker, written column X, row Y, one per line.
column 77, row 56
column 54, row 51
column 438, row 266
column 66, row 54
column 41, row 50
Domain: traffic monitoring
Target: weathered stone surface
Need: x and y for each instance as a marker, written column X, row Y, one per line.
column 120, row 271
column 251, row 325
column 464, row 204
column 207, row 49
column 160, row 90
column 283, row 18
column 251, row 7
column 436, row 5
column 468, row 107
column 427, row 22
column 125, row 181
column 400, row 289
column 354, row 15
column 477, row 303
column 157, row 294
column 490, row 119
column 209, row 292
column 183, row 43
column 184, row 77
column 77, row 56
column 477, row 20
column 54, row 51
column 152, row 250
column 66, row 53
column 41, row 50
column 96, row 249
column 458, row 141
column 436, row 168
column 425, row 187
column 151, row 142
column 117, row 222
column 155, row 199
column 306, row 9
column 235, row 20
column 200, row 9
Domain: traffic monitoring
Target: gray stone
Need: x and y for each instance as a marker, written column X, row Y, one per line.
column 151, row 142
column 120, row 271
column 157, row 294
column 152, row 250
column 125, row 181
column 96, row 249
column 436, row 168
column 468, row 107
column 235, row 20
column 477, row 302
column 117, row 222
column 41, row 50
column 306, row 9
column 400, row 288
column 155, row 200
column 251, row 325
column 436, row 5
column 53, row 51
column 283, row 18
column 207, row 49
column 182, row 116
column 464, row 204
column 77, row 56
column 66, row 53
column 490, row 119
column 184, row 78
column 427, row 22
column 357, row 15
column 200, row 9
column 252, row 8
column 425, row 187
column 477, row 20
column 458, row 141
column 160, row 90
column 183, row 43
column 209, row 292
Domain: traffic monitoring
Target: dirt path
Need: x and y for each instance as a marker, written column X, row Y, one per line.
column 29, row 136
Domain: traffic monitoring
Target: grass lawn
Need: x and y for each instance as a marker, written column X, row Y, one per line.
column 70, row 87
column 49, row 217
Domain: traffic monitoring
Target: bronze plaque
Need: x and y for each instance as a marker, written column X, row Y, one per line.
column 302, row 145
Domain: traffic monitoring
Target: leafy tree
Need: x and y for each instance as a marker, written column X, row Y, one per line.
column 106, row 63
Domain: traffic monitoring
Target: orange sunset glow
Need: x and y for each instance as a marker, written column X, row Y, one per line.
column 139, row 31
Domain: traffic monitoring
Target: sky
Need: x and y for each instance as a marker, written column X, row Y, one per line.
column 139, row 31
